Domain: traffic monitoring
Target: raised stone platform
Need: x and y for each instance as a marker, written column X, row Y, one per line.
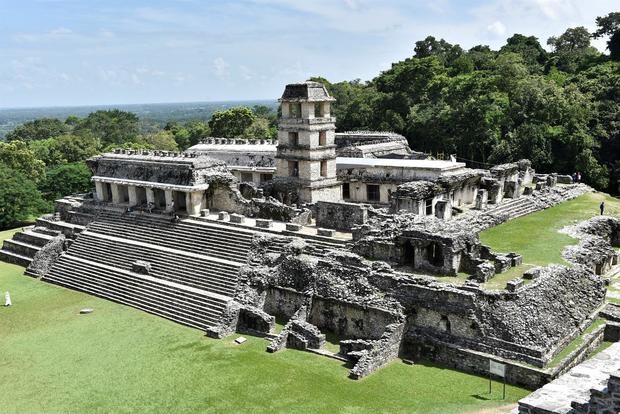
column 574, row 388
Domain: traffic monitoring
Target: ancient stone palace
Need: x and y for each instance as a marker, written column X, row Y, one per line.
column 349, row 233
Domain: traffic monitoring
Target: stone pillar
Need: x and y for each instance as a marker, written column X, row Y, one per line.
column 116, row 194
column 193, row 201
column 99, row 191
column 150, row 195
column 168, row 194
column 133, row 197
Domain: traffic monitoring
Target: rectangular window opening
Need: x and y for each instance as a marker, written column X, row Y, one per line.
column 373, row 193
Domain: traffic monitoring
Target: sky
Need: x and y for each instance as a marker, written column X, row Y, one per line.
column 90, row 52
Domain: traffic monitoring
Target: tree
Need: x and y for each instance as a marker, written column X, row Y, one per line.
column 19, row 198
column 529, row 48
column 610, row 26
column 38, row 129
column 111, row 127
column 163, row 140
column 65, row 149
column 64, row 180
column 17, row 156
column 260, row 129
column 572, row 49
column 232, row 122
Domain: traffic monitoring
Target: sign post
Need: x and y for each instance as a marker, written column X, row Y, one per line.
column 499, row 369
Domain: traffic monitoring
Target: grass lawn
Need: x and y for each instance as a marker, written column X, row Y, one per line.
column 536, row 235
column 119, row 359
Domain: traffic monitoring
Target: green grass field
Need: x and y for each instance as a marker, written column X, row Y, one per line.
column 536, row 235
column 121, row 360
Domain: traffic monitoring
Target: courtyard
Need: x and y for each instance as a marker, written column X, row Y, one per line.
column 119, row 359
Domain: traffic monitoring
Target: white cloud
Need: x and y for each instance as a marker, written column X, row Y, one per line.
column 497, row 28
column 221, row 68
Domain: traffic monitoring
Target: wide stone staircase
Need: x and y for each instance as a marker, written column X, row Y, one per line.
column 22, row 248
column 193, row 269
column 514, row 208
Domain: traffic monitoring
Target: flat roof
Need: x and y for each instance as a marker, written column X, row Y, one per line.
column 250, row 148
column 344, row 162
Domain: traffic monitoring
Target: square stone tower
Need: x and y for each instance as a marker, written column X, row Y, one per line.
column 306, row 152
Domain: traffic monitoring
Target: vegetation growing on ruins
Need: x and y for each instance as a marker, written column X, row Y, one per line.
column 559, row 109
column 120, row 359
column 536, row 236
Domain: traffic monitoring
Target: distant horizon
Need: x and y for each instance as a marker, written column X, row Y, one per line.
column 17, row 108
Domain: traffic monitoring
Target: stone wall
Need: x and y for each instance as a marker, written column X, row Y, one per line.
column 382, row 351
column 340, row 215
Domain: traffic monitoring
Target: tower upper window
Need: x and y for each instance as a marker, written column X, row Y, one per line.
column 295, row 109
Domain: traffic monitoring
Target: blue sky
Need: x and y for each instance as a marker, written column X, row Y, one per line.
column 78, row 52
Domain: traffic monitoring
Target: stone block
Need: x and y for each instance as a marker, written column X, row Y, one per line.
column 264, row 223
column 516, row 259
column 484, row 272
column 565, row 179
column 326, row 232
column 533, row 273
column 293, row 227
column 204, row 212
column 222, row 215
column 514, row 284
column 528, row 190
column 540, row 186
column 141, row 266
column 237, row 218
column 502, row 263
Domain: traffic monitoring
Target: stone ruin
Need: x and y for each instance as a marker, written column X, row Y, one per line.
column 179, row 235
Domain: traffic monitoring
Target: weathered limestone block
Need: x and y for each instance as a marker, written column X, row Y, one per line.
column 264, row 223
column 326, row 232
column 228, row 322
column 222, row 215
column 237, row 218
column 382, row 352
column 552, row 180
column 516, row 259
column 352, row 347
column 528, row 191
column 293, row 227
column 484, row 272
column 564, row 179
column 204, row 212
column 142, row 267
column 514, row 284
column 502, row 263
column 533, row 273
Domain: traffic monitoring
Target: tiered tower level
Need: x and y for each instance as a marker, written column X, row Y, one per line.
column 306, row 153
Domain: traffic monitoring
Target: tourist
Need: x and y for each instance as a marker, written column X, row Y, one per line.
column 602, row 207
column 574, row 177
column 578, row 177
column 173, row 210
column 149, row 207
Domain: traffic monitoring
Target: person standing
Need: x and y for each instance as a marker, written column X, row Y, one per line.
column 602, row 207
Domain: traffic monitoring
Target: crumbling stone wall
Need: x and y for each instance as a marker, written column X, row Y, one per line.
column 45, row 258
column 340, row 215
column 380, row 353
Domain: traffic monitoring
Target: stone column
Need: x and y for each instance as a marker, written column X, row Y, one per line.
column 133, row 197
column 193, row 201
column 116, row 195
column 99, row 191
column 168, row 194
column 150, row 195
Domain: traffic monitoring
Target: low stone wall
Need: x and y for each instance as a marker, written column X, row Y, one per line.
column 349, row 320
column 383, row 351
column 284, row 302
column 45, row 258
column 340, row 216
column 298, row 334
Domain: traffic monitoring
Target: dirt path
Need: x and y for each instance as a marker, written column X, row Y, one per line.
column 502, row 409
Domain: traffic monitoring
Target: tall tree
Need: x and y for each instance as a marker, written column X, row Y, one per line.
column 572, row 49
column 19, row 198
column 38, row 129
column 232, row 122
column 111, row 127
column 17, row 156
column 610, row 26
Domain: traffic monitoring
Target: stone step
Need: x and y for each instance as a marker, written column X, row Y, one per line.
column 33, row 238
column 14, row 258
column 20, row 248
column 219, row 279
column 173, row 301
